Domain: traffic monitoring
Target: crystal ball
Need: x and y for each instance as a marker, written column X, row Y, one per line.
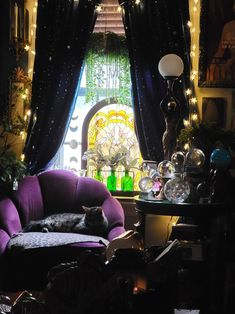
column 195, row 158
column 146, row 184
column 176, row 190
column 166, row 169
column 220, row 157
column 178, row 159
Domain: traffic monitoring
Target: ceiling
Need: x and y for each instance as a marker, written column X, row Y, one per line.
column 109, row 19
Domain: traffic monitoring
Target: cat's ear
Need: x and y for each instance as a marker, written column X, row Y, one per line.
column 86, row 209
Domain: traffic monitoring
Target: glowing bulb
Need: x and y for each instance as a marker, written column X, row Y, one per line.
column 22, row 157
column 186, row 123
column 26, row 47
column 33, row 52
column 194, row 47
column 137, row 1
column 186, row 146
column 28, row 113
column 188, row 91
column 189, row 24
column 99, row 9
column 193, row 30
column 194, row 9
column 194, row 100
column 119, row 9
column 194, row 116
column 24, row 96
column 34, row 10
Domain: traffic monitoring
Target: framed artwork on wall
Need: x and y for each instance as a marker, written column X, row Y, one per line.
column 217, row 44
column 214, row 111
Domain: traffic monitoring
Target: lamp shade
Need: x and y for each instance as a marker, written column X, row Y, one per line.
column 171, row 65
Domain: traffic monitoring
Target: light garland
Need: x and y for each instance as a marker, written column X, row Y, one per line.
column 193, row 110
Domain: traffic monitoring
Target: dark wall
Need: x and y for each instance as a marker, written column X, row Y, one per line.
column 7, row 59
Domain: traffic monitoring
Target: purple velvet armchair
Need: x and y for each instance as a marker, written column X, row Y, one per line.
column 40, row 195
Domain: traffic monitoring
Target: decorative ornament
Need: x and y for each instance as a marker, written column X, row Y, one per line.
column 220, row 158
column 195, row 158
column 176, row 190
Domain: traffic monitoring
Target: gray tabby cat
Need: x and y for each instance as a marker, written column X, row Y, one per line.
column 93, row 222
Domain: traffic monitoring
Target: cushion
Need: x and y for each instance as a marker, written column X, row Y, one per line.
column 31, row 240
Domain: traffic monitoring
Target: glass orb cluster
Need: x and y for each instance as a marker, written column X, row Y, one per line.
column 170, row 173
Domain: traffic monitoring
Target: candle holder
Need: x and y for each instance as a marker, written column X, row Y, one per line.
column 19, row 33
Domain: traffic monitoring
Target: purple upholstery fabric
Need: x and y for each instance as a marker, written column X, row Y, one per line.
column 4, row 238
column 28, row 200
column 9, row 218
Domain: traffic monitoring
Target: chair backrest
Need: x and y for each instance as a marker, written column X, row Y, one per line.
column 56, row 191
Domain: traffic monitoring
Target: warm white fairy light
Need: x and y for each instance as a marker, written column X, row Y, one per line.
column 194, row 117
column 186, row 146
column 22, row 157
column 186, row 123
column 188, row 92
column 189, row 24
column 137, row 1
column 28, row 113
column 26, row 47
column 193, row 100
column 119, row 9
column 99, row 8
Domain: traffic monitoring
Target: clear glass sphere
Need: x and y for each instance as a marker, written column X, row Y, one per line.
column 146, row 184
column 176, row 190
column 166, row 169
column 178, row 159
column 195, row 158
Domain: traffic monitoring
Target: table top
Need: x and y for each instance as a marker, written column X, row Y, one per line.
column 166, row 208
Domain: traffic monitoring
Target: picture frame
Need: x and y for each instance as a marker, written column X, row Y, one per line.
column 214, row 111
column 217, row 44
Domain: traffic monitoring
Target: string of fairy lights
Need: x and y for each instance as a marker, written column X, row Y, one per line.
column 30, row 49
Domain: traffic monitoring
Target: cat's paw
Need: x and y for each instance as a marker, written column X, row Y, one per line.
column 44, row 229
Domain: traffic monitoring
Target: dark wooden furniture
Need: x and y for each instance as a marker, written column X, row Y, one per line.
column 214, row 221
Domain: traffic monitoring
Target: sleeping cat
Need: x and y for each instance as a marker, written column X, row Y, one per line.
column 93, row 222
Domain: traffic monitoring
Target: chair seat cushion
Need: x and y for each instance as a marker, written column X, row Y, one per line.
column 31, row 240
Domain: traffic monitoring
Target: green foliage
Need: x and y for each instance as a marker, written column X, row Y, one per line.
column 11, row 167
column 207, row 137
column 107, row 49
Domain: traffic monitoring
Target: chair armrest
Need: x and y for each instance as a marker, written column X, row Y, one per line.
column 3, row 242
column 115, row 232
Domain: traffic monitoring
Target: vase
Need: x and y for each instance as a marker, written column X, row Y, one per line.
column 112, row 181
column 98, row 176
column 127, row 183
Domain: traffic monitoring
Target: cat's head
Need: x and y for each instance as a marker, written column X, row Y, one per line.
column 93, row 211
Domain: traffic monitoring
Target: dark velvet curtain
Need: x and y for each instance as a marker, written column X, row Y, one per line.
column 153, row 29
column 63, row 30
